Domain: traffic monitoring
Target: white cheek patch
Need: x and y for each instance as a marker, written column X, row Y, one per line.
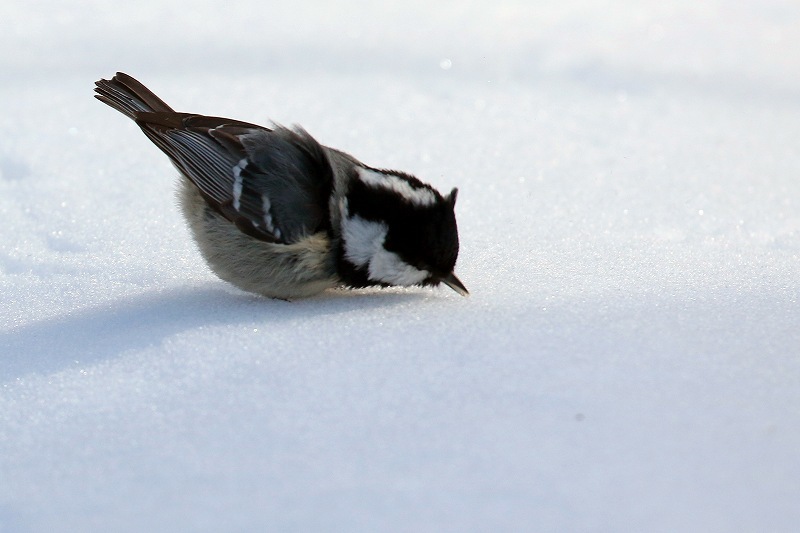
column 363, row 238
column 387, row 267
column 364, row 248
column 417, row 196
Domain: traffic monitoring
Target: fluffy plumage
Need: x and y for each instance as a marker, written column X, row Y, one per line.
column 276, row 213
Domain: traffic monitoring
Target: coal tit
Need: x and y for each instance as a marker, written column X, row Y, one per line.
column 276, row 213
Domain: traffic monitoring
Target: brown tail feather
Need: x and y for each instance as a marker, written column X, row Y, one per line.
column 128, row 96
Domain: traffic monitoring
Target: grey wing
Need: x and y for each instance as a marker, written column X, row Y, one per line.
column 273, row 184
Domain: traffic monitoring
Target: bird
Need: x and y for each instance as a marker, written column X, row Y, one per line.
column 274, row 212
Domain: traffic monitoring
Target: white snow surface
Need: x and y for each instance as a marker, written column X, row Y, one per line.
column 629, row 212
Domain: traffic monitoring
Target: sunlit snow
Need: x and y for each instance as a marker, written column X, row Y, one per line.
column 629, row 213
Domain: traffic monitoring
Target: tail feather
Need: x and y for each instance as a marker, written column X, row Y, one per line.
column 128, row 96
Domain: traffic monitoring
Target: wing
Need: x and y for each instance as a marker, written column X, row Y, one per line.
column 273, row 184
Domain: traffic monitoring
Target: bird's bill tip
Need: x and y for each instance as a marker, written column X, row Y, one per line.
column 454, row 283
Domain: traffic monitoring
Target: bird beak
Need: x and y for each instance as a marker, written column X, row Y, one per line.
column 453, row 282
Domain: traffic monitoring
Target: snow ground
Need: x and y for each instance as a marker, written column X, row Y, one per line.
column 629, row 206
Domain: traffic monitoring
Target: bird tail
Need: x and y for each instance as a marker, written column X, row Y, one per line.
column 128, row 96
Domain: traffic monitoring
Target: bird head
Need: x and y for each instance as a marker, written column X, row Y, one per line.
column 397, row 230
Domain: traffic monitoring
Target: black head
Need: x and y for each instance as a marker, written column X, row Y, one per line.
column 397, row 230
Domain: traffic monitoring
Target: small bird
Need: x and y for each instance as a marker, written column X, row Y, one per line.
column 276, row 213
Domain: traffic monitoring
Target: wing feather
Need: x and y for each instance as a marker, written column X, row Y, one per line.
column 273, row 184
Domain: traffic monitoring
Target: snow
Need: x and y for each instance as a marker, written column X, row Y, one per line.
column 629, row 210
